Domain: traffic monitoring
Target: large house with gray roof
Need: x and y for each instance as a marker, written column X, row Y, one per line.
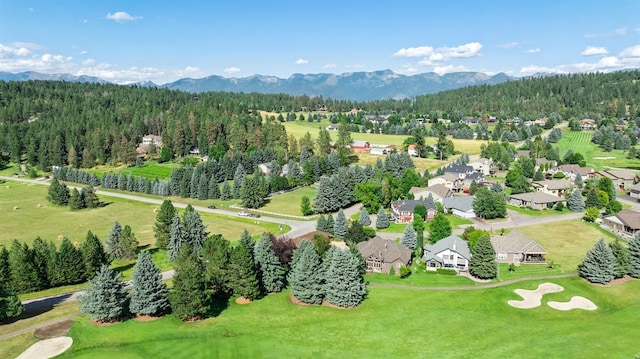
column 515, row 247
column 461, row 206
column 451, row 253
column 535, row 200
column 380, row 255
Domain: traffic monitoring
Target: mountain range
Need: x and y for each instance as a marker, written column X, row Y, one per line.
column 355, row 86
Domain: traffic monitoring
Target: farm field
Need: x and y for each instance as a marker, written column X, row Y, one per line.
column 477, row 323
column 580, row 141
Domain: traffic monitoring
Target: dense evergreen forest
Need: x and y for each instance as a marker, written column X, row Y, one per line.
column 51, row 123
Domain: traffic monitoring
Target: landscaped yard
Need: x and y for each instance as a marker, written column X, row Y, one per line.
column 390, row 323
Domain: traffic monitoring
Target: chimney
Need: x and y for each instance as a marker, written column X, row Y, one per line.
column 454, row 246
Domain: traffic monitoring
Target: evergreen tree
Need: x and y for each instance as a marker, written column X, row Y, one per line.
column 269, row 268
column 176, row 238
column 305, row 206
column 538, row 176
column 214, row 189
column 189, row 296
column 634, row 256
column 93, row 254
column 244, row 280
column 578, row 182
column 5, row 268
column 10, row 305
column 355, row 234
column 58, row 193
column 75, row 202
column 106, row 298
column 162, row 228
column 305, row 277
column 252, row 193
column 195, row 233
column 321, row 223
column 490, row 204
column 621, row 253
column 41, row 258
column 114, row 247
column 215, row 255
column 70, row 264
column 483, row 263
column 383, row 220
column 576, row 203
column 128, row 243
column 409, row 237
column 592, row 199
column 90, row 197
column 330, row 224
column 341, row 225
column 247, row 241
column 324, row 198
column 418, row 227
column 149, row 295
column 364, row 217
column 24, row 277
column 439, row 228
column 238, row 181
column 599, row 264
column 344, row 285
column 226, row 191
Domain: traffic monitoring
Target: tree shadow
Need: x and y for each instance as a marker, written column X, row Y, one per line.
column 104, row 204
column 124, row 267
column 218, row 305
column 37, row 307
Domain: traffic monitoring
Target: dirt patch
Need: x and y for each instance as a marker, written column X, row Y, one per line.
column 146, row 318
column 243, row 300
column 622, row 280
column 55, row 330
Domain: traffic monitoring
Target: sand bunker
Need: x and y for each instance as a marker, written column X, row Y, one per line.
column 47, row 348
column 533, row 298
column 576, row 302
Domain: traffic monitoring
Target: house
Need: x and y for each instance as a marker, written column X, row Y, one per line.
column 265, row 168
column 451, row 252
column 535, row 200
column 310, row 237
column 588, row 124
column 571, row 171
column 332, row 128
column 360, row 146
column 149, row 139
column 402, row 210
column 486, row 166
column 625, row 222
column 452, row 182
column 515, row 247
column 461, row 206
column 464, row 172
column 553, row 187
column 622, row 179
column 380, row 255
column 437, row 192
column 412, row 150
column 378, row 151
column 634, row 191
column 522, row 153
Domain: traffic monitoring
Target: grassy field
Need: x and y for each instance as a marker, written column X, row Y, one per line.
column 580, row 141
column 150, row 169
column 49, row 221
column 390, row 323
column 289, row 203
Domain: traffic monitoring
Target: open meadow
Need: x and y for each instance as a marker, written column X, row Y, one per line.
column 390, row 323
column 596, row 157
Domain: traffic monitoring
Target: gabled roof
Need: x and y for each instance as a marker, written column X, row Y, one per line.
column 538, row 197
column 447, row 177
column 387, row 250
column 556, row 184
column 635, row 188
column 454, row 168
column 440, row 190
column 515, row 242
column 360, row 143
column 576, row 169
column 452, row 243
column 622, row 174
column 408, row 205
column 629, row 217
column 462, row 203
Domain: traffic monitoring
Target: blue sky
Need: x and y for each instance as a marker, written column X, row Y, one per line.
column 162, row 41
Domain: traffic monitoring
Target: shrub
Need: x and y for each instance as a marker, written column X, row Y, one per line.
column 446, row 271
column 392, row 271
column 405, row 271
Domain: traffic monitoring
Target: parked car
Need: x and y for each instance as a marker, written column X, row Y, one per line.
column 244, row 214
column 212, row 207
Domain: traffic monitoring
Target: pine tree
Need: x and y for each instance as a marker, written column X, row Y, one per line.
column 252, row 193
column 176, row 238
column 247, row 241
column 93, row 254
column 418, row 227
column 341, row 225
column 226, row 192
column 24, row 277
column 269, row 268
column 128, row 243
column 330, row 224
column 189, row 296
column 634, row 256
column 305, row 206
column 409, row 237
column 5, row 268
column 215, row 255
column 41, row 258
column 364, row 217
column 162, row 228
column 238, row 180
column 244, row 280
column 214, row 188
column 592, row 199
column 383, row 220
column 599, row 264
column 195, row 233
column 344, row 285
column 58, row 193
column 10, row 305
column 90, row 197
column 149, row 295
column 483, row 263
column 106, row 298
column 355, row 233
column 321, row 223
column 305, row 277
column 75, row 202
column 576, row 203
column 114, row 247
column 621, row 253
column 70, row 263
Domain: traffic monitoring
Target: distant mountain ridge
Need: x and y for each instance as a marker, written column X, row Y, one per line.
column 356, row 86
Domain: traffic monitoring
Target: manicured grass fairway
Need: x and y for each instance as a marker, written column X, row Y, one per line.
column 391, row 323
column 580, row 141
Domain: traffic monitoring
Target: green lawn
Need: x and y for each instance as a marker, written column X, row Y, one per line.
column 536, row 212
column 289, row 203
column 150, row 169
column 390, row 323
column 596, row 157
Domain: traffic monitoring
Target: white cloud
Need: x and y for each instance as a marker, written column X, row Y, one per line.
column 301, row 61
column 415, row 51
column 330, row 66
column 356, row 66
column 633, row 51
column 594, row 51
column 83, row 52
column 407, row 70
column 533, row 51
column 617, row 32
column 231, row 70
column 509, row 45
column 432, row 55
column 441, row 70
column 10, row 51
column 122, row 16
column 31, row 9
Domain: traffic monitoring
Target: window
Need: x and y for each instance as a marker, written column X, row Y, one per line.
column 502, row 256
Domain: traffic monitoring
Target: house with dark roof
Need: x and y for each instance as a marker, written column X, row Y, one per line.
column 622, row 179
column 451, row 252
column 535, row 200
column 515, row 247
column 310, row 237
column 464, row 172
column 571, row 171
column 402, row 210
column 461, row 206
column 380, row 255
column 625, row 223
column 634, row 191
column 553, row 187
column 437, row 192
